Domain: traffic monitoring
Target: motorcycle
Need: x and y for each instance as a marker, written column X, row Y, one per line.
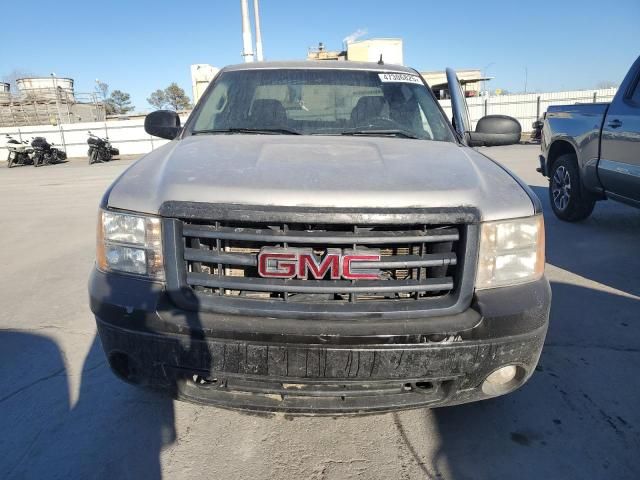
column 45, row 153
column 100, row 149
column 19, row 152
column 536, row 132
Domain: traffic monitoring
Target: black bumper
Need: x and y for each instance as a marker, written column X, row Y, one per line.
column 319, row 367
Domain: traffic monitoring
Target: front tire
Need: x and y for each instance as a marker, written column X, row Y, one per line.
column 569, row 200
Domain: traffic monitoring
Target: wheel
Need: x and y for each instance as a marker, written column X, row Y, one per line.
column 91, row 154
column 10, row 161
column 37, row 160
column 569, row 200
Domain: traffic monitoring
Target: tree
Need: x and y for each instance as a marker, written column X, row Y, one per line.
column 176, row 98
column 102, row 91
column 120, row 102
column 171, row 97
column 157, row 99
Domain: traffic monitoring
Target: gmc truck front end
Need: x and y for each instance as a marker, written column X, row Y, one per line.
column 320, row 311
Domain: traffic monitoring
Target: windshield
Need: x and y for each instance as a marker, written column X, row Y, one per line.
column 321, row 102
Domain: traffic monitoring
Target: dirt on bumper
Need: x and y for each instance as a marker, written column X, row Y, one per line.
column 315, row 379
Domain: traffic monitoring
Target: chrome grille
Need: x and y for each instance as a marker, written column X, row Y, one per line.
column 419, row 262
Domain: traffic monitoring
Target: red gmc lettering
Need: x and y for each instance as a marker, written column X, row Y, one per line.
column 348, row 262
column 308, row 262
column 277, row 265
column 303, row 263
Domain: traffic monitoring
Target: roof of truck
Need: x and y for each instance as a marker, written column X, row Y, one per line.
column 322, row 64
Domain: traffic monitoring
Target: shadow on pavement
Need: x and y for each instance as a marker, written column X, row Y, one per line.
column 34, row 396
column 113, row 431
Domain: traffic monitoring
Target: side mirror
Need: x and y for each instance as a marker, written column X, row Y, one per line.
column 163, row 124
column 495, row 130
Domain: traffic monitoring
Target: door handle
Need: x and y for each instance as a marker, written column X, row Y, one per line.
column 615, row 123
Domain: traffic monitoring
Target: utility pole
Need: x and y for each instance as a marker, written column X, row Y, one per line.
column 55, row 88
column 256, row 12
column 104, row 106
column 246, row 32
column 526, row 77
column 484, row 73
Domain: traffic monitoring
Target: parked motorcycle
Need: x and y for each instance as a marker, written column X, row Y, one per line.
column 19, row 152
column 536, row 132
column 45, row 153
column 100, row 149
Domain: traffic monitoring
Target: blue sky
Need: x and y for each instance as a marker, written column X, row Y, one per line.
column 139, row 45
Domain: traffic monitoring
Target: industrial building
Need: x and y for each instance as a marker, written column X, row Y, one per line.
column 472, row 82
column 390, row 50
column 46, row 100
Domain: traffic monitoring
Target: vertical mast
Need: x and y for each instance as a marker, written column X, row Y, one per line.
column 246, row 32
column 256, row 12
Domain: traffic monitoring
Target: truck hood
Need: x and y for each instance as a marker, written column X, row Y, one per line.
column 320, row 171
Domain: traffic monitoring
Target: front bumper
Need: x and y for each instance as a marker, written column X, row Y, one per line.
column 304, row 366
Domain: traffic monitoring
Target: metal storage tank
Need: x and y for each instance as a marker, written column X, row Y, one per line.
column 44, row 88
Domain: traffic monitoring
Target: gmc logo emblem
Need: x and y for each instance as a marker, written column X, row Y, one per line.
column 302, row 263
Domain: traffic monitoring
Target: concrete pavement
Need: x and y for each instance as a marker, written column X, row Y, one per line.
column 64, row 415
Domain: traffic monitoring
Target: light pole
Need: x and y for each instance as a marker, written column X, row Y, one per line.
column 55, row 89
column 104, row 106
column 484, row 75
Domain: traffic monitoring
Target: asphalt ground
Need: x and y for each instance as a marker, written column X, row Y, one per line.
column 63, row 414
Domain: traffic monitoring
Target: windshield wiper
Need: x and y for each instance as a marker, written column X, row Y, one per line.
column 384, row 132
column 257, row 131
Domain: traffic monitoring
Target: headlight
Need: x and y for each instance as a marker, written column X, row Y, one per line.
column 511, row 252
column 130, row 244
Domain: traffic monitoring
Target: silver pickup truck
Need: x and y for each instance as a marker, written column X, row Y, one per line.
column 318, row 238
column 591, row 152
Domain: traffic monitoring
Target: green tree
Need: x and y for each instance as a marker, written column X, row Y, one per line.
column 120, row 102
column 157, row 99
column 172, row 97
column 176, row 98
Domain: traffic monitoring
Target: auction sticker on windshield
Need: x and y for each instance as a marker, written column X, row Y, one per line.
column 400, row 77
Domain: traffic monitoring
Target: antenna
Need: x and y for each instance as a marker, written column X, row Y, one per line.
column 380, row 62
